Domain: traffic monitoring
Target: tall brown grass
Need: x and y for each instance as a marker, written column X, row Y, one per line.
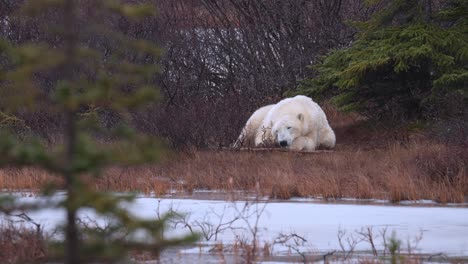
column 396, row 172
column 369, row 161
column 30, row 178
column 411, row 171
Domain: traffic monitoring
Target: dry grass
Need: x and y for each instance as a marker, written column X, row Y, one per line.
column 368, row 162
column 25, row 179
column 399, row 172
column 411, row 171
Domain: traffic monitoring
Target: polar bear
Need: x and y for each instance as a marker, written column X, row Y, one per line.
column 296, row 123
column 247, row 136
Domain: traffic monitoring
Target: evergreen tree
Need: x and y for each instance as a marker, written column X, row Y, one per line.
column 408, row 59
column 88, row 80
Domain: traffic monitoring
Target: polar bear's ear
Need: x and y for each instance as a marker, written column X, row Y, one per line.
column 300, row 117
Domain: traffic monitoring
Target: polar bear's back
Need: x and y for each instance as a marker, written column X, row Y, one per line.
column 253, row 125
column 255, row 121
column 299, row 104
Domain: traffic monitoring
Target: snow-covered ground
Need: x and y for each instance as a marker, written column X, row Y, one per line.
column 305, row 226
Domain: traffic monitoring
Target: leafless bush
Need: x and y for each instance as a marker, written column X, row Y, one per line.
column 294, row 242
column 240, row 217
column 19, row 243
column 207, row 228
column 222, row 59
column 41, row 27
column 367, row 235
column 413, row 243
column 251, row 212
column 104, row 229
column 347, row 242
column 226, row 58
column 383, row 234
column 392, row 245
column 202, row 123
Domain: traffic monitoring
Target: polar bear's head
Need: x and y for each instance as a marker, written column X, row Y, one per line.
column 287, row 128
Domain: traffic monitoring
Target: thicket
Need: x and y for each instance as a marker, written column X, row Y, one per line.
column 64, row 74
column 221, row 59
column 409, row 61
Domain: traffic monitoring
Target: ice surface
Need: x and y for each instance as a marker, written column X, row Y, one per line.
column 444, row 229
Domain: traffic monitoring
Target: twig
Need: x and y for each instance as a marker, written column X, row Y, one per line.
column 383, row 233
column 367, row 235
column 26, row 218
column 328, row 254
column 350, row 240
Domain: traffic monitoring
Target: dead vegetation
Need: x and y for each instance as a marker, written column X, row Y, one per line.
column 369, row 161
column 414, row 170
column 22, row 244
column 419, row 170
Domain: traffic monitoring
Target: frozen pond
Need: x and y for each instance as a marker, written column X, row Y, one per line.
column 304, row 226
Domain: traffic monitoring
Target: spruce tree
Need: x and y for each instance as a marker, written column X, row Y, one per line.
column 88, row 80
column 408, row 60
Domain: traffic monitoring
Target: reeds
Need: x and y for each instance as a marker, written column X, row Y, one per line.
column 418, row 169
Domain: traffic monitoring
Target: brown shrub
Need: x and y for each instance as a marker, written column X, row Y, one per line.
column 19, row 244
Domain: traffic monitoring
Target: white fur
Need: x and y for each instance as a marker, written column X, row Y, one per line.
column 247, row 136
column 297, row 123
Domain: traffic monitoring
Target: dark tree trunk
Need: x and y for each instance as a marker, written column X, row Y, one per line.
column 70, row 38
column 427, row 5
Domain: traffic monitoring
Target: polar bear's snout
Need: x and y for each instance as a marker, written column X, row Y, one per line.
column 284, row 137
